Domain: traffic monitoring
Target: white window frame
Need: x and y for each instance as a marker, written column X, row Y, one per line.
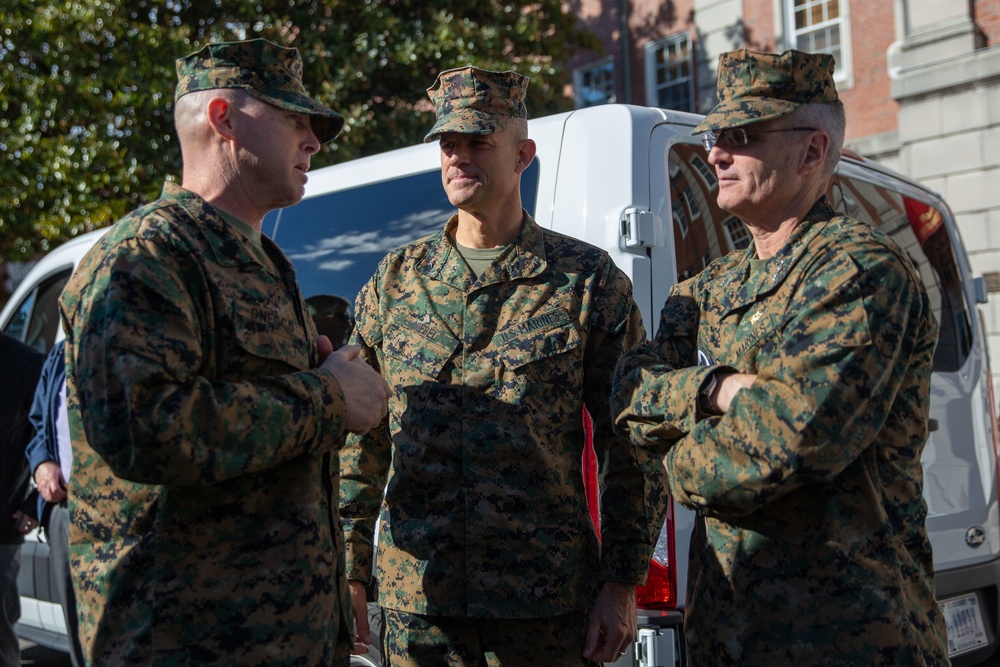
column 680, row 218
column 665, row 44
column 593, row 67
column 705, row 172
column 844, row 73
column 692, row 204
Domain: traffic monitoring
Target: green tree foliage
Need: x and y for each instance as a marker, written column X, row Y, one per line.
column 86, row 88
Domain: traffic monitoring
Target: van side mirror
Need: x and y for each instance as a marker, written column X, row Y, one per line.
column 981, row 289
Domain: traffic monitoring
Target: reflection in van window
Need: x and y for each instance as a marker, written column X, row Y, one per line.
column 702, row 231
column 916, row 226
column 336, row 240
column 36, row 320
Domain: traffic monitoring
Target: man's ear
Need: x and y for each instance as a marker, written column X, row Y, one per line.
column 816, row 150
column 525, row 154
column 220, row 118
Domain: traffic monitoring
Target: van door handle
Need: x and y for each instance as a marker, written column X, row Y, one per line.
column 637, row 226
column 932, row 425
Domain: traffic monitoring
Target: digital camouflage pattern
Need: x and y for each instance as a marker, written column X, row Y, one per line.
column 269, row 72
column 470, row 100
column 204, row 483
column 755, row 87
column 413, row 640
column 810, row 547
column 485, row 513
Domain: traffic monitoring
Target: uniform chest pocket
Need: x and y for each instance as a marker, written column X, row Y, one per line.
column 754, row 339
column 412, row 352
column 414, row 360
column 266, row 343
column 539, row 358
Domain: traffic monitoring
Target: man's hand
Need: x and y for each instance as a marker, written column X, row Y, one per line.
column 612, row 623
column 727, row 387
column 359, row 602
column 52, row 486
column 367, row 394
column 325, row 347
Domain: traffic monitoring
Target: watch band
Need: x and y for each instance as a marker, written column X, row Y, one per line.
column 705, row 395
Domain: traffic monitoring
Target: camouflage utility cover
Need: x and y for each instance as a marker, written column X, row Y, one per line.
column 469, row 100
column 203, row 493
column 485, row 513
column 810, row 548
column 754, row 87
column 269, row 72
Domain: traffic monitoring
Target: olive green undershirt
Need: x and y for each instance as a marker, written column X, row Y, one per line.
column 479, row 259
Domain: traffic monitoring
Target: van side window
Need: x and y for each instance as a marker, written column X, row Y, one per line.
column 336, row 240
column 918, row 227
column 36, row 320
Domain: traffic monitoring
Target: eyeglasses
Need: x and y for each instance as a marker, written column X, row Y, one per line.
column 736, row 137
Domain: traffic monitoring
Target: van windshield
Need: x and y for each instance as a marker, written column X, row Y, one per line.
column 336, row 240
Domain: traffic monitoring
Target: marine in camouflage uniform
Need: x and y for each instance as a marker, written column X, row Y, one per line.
column 484, row 514
column 205, row 430
column 810, row 547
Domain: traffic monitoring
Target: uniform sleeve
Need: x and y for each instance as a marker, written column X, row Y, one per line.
column 654, row 402
column 819, row 401
column 364, row 460
column 632, row 483
column 142, row 374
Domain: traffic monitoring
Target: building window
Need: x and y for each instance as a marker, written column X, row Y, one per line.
column 692, row 204
column 669, row 73
column 820, row 26
column 680, row 218
column 707, row 173
column 594, row 84
column 739, row 235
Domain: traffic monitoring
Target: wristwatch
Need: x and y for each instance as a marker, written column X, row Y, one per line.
column 705, row 405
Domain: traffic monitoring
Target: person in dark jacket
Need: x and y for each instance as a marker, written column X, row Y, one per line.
column 50, row 454
column 21, row 366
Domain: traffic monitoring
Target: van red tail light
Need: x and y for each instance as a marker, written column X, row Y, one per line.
column 660, row 589
column 589, row 463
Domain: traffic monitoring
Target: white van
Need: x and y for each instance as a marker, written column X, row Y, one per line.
column 633, row 181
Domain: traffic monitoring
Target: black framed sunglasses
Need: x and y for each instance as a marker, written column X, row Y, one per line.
column 735, row 137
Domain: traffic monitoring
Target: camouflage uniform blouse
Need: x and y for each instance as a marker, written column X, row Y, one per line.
column 485, row 513
column 203, row 528
column 810, row 547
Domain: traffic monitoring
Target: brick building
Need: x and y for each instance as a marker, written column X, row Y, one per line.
column 920, row 80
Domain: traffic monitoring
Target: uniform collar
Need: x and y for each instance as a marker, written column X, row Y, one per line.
column 524, row 258
column 228, row 245
column 745, row 287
